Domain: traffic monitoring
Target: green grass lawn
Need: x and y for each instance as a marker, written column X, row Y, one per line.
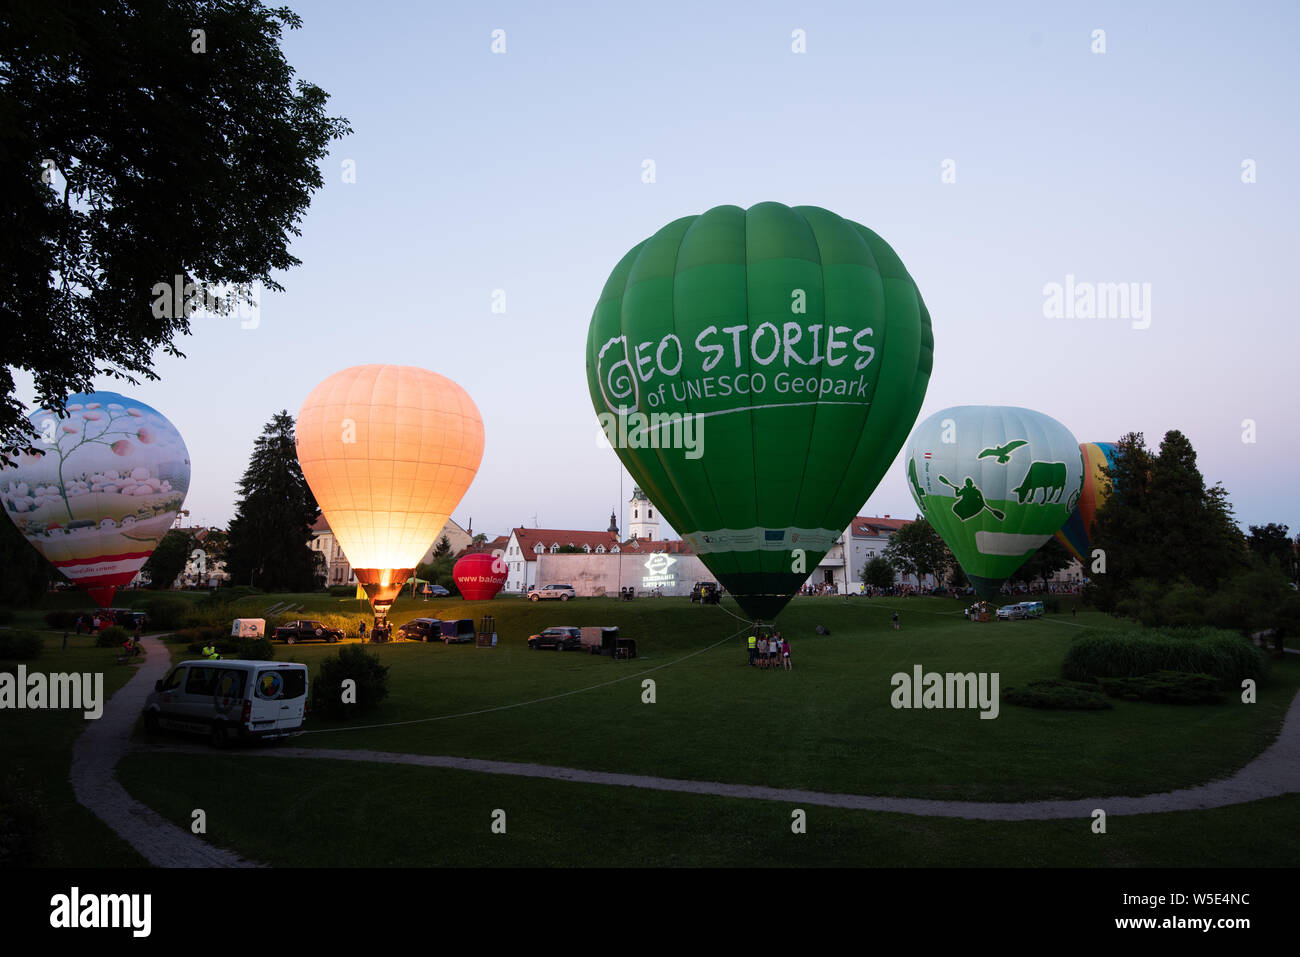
column 304, row 813
column 826, row 726
column 36, row 750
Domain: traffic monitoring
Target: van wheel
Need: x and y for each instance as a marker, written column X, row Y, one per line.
column 564, row 598
column 218, row 737
column 534, row 597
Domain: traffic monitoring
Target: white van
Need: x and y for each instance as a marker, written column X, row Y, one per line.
column 230, row 699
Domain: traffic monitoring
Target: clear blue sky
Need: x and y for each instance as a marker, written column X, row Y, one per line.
column 522, row 172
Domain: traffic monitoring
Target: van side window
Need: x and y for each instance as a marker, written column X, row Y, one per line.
column 174, row 679
column 273, row 685
column 201, row 681
column 230, row 683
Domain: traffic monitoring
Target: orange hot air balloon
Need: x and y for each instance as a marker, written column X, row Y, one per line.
column 388, row 451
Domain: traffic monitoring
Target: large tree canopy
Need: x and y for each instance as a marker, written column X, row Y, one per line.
column 141, row 140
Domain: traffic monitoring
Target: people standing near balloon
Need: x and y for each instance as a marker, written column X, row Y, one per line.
column 785, row 654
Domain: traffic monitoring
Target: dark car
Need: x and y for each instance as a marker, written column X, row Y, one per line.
column 129, row 617
column 307, row 630
column 562, row 638
column 436, row 591
column 421, row 629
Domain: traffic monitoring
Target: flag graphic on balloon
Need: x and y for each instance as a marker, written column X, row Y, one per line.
column 793, row 350
column 110, row 478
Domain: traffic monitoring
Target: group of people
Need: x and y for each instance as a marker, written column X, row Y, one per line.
column 92, row 624
column 769, row 652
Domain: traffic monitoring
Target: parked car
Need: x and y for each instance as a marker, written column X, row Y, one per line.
column 561, row 638
column 232, row 699
column 421, row 629
column 562, row 592
column 1033, row 609
column 1011, row 612
column 128, row 617
column 307, row 630
column 436, row 591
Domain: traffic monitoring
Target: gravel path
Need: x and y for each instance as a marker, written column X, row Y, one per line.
column 95, row 756
column 1273, row 773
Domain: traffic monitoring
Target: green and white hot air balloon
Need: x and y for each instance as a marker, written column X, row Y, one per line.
column 759, row 370
column 995, row 482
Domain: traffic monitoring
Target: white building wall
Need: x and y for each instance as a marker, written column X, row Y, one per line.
column 597, row 575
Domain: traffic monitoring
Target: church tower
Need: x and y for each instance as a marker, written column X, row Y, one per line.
column 642, row 520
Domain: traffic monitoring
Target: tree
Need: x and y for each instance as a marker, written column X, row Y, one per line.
column 152, row 151
column 25, row 575
column 269, row 535
column 168, row 559
column 1272, row 543
column 443, row 548
column 878, row 572
column 1050, row 558
column 479, row 539
column 916, row 549
column 1168, row 540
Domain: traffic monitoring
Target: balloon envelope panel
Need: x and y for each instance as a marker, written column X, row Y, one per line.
column 758, row 371
column 995, row 482
column 1076, row 533
column 109, row 485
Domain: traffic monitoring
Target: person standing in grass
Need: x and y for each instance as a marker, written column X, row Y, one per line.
column 896, row 625
column 762, row 651
column 752, row 644
column 785, row 654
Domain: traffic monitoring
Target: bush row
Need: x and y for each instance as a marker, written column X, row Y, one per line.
column 1225, row 655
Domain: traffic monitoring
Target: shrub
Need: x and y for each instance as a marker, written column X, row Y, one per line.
column 1053, row 694
column 166, row 613
column 196, row 638
column 20, row 645
column 342, row 591
column 1052, row 606
column 1226, row 656
column 111, row 637
column 1168, row 687
column 60, row 619
column 256, row 649
column 354, row 662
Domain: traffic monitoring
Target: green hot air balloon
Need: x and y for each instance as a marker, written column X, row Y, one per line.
column 757, row 371
column 995, row 482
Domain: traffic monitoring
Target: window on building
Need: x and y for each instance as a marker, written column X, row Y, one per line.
column 634, row 513
column 554, row 548
column 614, row 550
column 649, row 513
column 600, row 549
column 587, row 549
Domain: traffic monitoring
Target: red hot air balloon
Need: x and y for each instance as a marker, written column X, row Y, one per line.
column 479, row 576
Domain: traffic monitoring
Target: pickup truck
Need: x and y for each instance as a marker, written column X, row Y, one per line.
column 306, row 630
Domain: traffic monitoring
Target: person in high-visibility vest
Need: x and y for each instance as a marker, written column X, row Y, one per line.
column 753, row 647
column 210, row 651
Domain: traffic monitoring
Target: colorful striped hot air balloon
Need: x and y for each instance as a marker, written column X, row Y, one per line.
column 757, row 371
column 1076, row 533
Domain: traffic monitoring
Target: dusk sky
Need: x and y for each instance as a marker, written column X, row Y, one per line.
column 522, row 171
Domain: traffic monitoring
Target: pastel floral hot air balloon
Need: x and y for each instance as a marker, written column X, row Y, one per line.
column 1076, row 534
column 479, row 576
column 995, row 482
column 388, row 452
column 757, row 371
column 109, row 484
